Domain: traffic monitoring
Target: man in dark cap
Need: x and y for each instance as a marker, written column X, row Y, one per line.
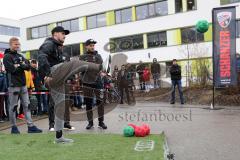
column 91, row 55
column 55, row 71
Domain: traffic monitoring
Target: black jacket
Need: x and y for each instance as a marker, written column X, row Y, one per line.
column 50, row 53
column 15, row 74
column 140, row 69
column 155, row 68
column 36, row 79
column 123, row 79
column 175, row 72
column 93, row 58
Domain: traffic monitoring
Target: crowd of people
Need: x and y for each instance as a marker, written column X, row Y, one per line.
column 35, row 87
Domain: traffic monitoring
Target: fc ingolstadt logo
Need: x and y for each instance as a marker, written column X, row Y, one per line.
column 224, row 19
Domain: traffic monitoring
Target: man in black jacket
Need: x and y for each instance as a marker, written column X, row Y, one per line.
column 53, row 48
column 176, row 77
column 155, row 70
column 123, row 83
column 92, row 56
column 55, row 71
column 15, row 65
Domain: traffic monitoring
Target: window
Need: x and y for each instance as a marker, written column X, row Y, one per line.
column 168, row 66
column 127, row 43
column 96, row 21
column 67, row 50
column 2, row 30
column 157, row 39
column 16, row 32
column 66, row 25
column 161, row 8
column 34, row 33
column 92, row 22
column 74, row 25
column 229, row 1
column 75, row 50
column 190, row 35
column 71, row 50
column 191, row 5
column 71, row 25
column 9, row 31
column 238, row 28
column 101, row 20
column 178, row 6
column 152, row 10
column 118, row 17
column 42, row 31
column 137, row 42
column 142, row 12
column 34, row 54
column 124, row 15
column 3, row 46
column 39, row 32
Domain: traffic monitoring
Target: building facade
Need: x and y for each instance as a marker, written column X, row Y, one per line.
column 139, row 30
column 8, row 29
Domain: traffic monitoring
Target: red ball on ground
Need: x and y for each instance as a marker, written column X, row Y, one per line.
column 140, row 132
column 147, row 128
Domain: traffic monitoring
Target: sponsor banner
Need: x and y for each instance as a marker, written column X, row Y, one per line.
column 224, row 46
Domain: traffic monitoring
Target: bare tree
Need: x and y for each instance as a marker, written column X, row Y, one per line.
column 198, row 63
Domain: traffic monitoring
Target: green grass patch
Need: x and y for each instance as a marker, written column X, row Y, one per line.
column 85, row 147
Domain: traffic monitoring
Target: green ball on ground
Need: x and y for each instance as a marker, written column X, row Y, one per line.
column 128, row 131
column 202, row 26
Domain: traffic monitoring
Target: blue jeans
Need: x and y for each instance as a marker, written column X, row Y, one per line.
column 42, row 100
column 179, row 84
column 77, row 101
column 45, row 102
column 156, row 77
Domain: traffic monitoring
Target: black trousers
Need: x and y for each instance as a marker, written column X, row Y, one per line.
column 125, row 88
column 89, row 106
column 51, row 114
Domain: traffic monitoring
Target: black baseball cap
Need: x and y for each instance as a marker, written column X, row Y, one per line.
column 60, row 29
column 90, row 41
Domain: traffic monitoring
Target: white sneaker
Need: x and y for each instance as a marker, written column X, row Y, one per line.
column 51, row 129
column 63, row 140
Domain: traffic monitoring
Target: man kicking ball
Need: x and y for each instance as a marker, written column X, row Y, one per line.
column 55, row 72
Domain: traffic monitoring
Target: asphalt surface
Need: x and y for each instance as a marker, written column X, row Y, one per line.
column 193, row 133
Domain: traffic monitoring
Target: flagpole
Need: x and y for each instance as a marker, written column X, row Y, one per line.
column 213, row 63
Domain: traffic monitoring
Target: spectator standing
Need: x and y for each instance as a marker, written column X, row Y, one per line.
column 123, row 83
column 155, row 70
column 176, row 77
column 15, row 65
column 140, row 69
column 3, row 88
column 41, row 98
column 146, row 77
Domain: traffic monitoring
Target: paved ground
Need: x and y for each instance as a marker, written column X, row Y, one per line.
column 193, row 133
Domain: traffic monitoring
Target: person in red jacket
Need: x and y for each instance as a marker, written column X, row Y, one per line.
column 146, row 77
